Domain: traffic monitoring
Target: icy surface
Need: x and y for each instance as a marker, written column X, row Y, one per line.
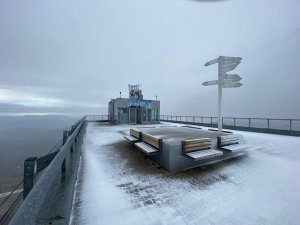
column 117, row 184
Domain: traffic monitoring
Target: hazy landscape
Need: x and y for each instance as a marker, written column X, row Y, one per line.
column 27, row 136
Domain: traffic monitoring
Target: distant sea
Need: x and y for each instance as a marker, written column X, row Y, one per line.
column 36, row 114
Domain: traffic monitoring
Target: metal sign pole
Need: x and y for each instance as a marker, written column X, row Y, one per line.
column 221, row 80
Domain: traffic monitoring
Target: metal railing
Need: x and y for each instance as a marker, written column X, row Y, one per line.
column 267, row 125
column 49, row 199
column 49, row 181
column 95, row 118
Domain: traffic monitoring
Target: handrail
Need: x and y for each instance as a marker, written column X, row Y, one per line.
column 34, row 208
column 269, row 125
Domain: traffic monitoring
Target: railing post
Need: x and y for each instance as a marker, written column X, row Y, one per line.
column 65, row 136
column 222, row 121
column 63, row 166
column 249, row 122
column 268, row 123
column 180, row 118
column 290, row 125
column 210, row 120
column 234, row 121
column 30, row 168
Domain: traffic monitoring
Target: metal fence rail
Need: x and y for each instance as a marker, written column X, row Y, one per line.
column 50, row 199
column 265, row 125
column 95, row 118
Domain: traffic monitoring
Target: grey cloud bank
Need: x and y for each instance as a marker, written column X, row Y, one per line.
column 78, row 54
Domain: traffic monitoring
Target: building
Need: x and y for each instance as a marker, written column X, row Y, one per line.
column 133, row 110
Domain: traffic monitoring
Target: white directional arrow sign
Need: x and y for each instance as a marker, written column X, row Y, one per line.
column 229, row 63
column 231, row 85
column 211, row 62
column 226, row 67
column 231, row 76
column 231, row 59
column 208, row 83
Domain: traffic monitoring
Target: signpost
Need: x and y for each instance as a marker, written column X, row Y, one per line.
column 225, row 64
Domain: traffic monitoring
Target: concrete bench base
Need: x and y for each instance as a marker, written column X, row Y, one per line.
column 147, row 149
column 204, row 154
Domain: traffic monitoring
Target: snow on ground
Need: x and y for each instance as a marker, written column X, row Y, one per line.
column 118, row 185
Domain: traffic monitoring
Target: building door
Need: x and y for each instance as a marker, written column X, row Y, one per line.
column 132, row 115
column 123, row 115
column 144, row 116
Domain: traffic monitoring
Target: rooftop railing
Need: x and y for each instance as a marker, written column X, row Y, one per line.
column 265, row 125
column 49, row 181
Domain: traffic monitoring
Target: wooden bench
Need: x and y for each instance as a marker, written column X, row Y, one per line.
column 225, row 140
column 231, row 143
column 150, row 144
column 198, row 149
column 134, row 136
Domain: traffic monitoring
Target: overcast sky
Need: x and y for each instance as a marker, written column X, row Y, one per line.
column 69, row 56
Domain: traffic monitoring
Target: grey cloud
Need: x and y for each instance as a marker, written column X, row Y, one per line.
column 84, row 53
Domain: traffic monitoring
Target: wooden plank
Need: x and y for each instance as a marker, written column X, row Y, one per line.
column 226, row 139
column 228, row 142
column 150, row 137
column 197, row 148
column 229, row 136
column 135, row 135
column 196, row 144
column 198, row 140
column 154, row 144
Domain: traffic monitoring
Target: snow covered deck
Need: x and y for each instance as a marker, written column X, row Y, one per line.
column 117, row 184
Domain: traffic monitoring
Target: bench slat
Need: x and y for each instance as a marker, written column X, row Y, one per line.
column 229, row 136
column 237, row 147
column 204, row 154
column 196, row 144
column 200, row 140
column 197, row 148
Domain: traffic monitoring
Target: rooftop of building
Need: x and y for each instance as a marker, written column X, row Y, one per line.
column 118, row 185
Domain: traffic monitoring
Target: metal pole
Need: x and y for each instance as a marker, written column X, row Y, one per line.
column 30, row 169
column 220, row 79
column 65, row 136
column 290, row 125
column 268, row 123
